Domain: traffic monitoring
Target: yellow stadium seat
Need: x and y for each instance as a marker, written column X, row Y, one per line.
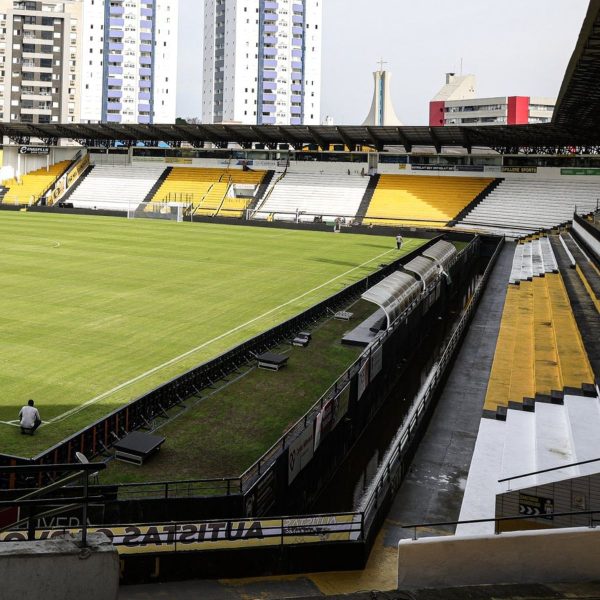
column 31, row 186
column 421, row 201
column 206, row 189
column 539, row 347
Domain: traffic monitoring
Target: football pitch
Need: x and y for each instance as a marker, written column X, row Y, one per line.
column 96, row 311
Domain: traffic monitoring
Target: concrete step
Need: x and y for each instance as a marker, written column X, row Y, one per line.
column 479, row 500
column 553, row 445
column 583, row 417
column 519, row 448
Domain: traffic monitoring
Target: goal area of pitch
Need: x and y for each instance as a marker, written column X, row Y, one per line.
column 169, row 211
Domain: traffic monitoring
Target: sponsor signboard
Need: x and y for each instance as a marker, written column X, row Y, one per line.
column 363, row 378
column 215, row 535
column 571, row 171
column 536, row 506
column 432, row 167
column 341, row 405
column 471, row 168
column 376, row 362
column 34, row 150
column 300, row 452
column 519, row 169
column 178, row 161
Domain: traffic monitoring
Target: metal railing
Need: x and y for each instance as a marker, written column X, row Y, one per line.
column 191, row 488
column 38, row 497
column 389, row 475
column 550, row 470
column 498, row 520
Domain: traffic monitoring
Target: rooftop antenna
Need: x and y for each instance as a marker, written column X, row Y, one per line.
column 381, row 62
column 461, row 66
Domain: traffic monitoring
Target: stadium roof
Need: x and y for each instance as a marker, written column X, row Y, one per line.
column 576, row 121
column 578, row 102
column 299, row 135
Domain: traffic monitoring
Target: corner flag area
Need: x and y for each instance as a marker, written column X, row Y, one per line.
column 98, row 311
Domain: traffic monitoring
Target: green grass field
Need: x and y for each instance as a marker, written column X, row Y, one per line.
column 97, row 311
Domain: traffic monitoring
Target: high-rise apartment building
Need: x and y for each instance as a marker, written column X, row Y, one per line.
column 456, row 104
column 262, row 62
column 129, row 54
column 40, row 67
column 93, row 61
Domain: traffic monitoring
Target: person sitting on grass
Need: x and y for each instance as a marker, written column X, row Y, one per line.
column 29, row 418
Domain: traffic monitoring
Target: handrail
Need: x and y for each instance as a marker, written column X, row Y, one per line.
column 37, row 496
column 229, row 184
column 560, row 468
column 497, row 520
column 268, row 195
column 391, row 465
column 49, row 187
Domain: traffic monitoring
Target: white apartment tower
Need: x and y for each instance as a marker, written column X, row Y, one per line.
column 129, row 55
column 262, row 62
column 70, row 61
column 40, row 73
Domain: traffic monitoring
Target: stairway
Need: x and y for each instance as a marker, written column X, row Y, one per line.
column 262, row 189
column 366, row 201
column 476, row 201
column 554, row 435
column 73, row 188
column 154, row 189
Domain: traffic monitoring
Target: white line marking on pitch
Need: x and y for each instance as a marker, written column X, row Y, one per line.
column 175, row 360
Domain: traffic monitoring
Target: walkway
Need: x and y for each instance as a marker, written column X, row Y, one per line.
column 432, row 491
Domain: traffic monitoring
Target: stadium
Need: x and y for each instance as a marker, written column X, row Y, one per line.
column 345, row 352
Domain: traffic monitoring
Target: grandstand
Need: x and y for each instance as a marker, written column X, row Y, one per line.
column 304, row 196
column 115, row 187
column 208, row 190
column 422, row 201
column 521, row 206
column 539, row 349
column 487, row 367
column 29, row 188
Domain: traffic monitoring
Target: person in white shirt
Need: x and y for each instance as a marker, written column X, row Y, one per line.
column 399, row 241
column 30, row 418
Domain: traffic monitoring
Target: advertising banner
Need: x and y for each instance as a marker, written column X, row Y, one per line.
column 363, row 379
column 216, row 535
column 34, row 150
column 519, row 169
column 376, row 362
column 571, row 171
column 300, row 452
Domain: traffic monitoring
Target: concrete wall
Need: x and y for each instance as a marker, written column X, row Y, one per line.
column 592, row 244
column 15, row 164
column 57, row 569
column 565, row 555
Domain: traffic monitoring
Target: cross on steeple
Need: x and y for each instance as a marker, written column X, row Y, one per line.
column 381, row 62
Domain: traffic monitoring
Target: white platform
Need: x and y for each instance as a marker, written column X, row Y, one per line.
column 518, row 207
column 552, row 436
column 116, row 187
column 331, row 195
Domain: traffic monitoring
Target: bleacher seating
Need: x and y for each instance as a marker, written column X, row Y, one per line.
column 522, row 206
column 554, row 435
column 422, row 200
column 33, row 185
column 539, row 347
column 206, row 189
column 533, row 259
column 327, row 195
column 116, row 187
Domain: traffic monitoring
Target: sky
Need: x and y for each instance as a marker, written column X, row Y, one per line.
column 514, row 47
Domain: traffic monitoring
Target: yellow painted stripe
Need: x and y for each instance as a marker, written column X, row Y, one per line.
column 588, row 287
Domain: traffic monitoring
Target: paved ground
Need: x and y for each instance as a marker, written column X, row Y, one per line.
column 432, row 491
column 584, row 307
column 434, row 488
